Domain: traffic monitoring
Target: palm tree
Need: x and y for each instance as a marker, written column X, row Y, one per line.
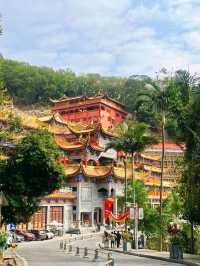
column 188, row 85
column 157, row 96
column 133, row 138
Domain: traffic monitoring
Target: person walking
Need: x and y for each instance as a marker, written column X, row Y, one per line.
column 106, row 240
column 112, row 238
column 118, row 237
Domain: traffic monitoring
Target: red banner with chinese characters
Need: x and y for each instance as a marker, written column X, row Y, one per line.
column 108, row 212
column 120, row 217
column 108, row 207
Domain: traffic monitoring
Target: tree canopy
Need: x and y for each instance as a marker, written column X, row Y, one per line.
column 30, row 173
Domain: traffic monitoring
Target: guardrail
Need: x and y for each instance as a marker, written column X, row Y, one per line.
column 85, row 252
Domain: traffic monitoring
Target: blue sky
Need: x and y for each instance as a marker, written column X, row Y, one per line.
column 110, row 37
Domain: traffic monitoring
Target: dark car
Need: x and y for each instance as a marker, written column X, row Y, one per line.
column 27, row 235
column 74, row 231
column 39, row 235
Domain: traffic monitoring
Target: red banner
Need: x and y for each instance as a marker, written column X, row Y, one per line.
column 108, row 212
column 108, row 207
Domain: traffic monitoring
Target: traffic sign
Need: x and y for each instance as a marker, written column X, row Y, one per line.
column 11, row 227
column 141, row 213
column 132, row 213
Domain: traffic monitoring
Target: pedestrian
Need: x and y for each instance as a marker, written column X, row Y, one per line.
column 106, row 239
column 118, row 239
column 112, row 238
column 115, row 233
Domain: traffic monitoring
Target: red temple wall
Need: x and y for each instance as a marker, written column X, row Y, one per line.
column 87, row 112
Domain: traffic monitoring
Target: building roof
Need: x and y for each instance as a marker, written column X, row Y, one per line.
column 98, row 97
column 150, row 157
column 169, row 146
column 61, row 195
column 64, row 144
column 156, row 194
column 153, row 181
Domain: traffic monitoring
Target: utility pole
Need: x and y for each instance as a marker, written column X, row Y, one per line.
column 134, row 204
column 125, row 175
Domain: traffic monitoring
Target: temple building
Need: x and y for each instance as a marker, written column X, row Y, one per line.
column 82, row 126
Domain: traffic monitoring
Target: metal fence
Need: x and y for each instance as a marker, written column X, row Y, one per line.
column 94, row 254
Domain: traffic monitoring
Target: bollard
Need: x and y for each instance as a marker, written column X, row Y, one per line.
column 85, row 253
column 110, row 258
column 96, row 255
column 61, row 244
column 65, row 246
column 70, row 249
column 77, row 251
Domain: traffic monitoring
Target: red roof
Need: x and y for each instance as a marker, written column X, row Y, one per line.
column 172, row 146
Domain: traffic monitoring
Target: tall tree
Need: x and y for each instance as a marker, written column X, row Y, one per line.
column 133, row 139
column 149, row 223
column 29, row 174
column 157, row 96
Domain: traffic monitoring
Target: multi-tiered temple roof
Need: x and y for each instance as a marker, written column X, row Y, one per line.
column 82, row 126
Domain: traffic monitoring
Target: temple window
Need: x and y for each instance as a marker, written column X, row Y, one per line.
column 91, row 108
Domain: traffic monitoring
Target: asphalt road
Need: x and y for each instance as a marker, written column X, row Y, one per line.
column 47, row 253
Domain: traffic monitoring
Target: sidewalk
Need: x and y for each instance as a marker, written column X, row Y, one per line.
column 188, row 259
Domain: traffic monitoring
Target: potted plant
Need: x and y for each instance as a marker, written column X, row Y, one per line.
column 176, row 242
column 125, row 237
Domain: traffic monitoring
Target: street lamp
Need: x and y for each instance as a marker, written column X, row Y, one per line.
column 3, row 202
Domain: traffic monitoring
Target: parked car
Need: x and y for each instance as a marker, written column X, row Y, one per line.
column 27, row 235
column 39, row 235
column 74, row 231
column 49, row 234
column 19, row 238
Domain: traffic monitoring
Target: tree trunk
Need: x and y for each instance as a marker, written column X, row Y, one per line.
column 125, row 189
column 134, row 202
column 161, row 178
column 133, row 178
column 192, row 239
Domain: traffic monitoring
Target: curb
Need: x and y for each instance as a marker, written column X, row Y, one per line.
column 155, row 257
column 22, row 260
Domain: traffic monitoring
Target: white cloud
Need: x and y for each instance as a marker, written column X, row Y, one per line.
column 110, row 37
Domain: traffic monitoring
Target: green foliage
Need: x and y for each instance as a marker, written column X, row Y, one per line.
column 149, row 225
column 15, row 123
column 31, row 84
column 134, row 137
column 30, row 173
column 3, row 239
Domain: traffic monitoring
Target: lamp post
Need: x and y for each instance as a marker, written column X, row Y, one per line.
column 3, row 202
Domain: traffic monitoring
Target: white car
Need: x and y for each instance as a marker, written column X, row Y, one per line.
column 49, row 234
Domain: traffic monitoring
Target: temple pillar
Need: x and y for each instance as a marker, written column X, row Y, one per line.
column 48, row 218
column 92, row 218
column 78, row 205
column 65, row 218
column 109, row 179
column 115, row 206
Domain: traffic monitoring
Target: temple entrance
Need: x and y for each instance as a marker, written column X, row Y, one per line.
column 85, row 219
column 98, row 216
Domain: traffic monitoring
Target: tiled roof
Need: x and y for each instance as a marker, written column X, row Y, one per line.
column 169, row 145
column 61, row 195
